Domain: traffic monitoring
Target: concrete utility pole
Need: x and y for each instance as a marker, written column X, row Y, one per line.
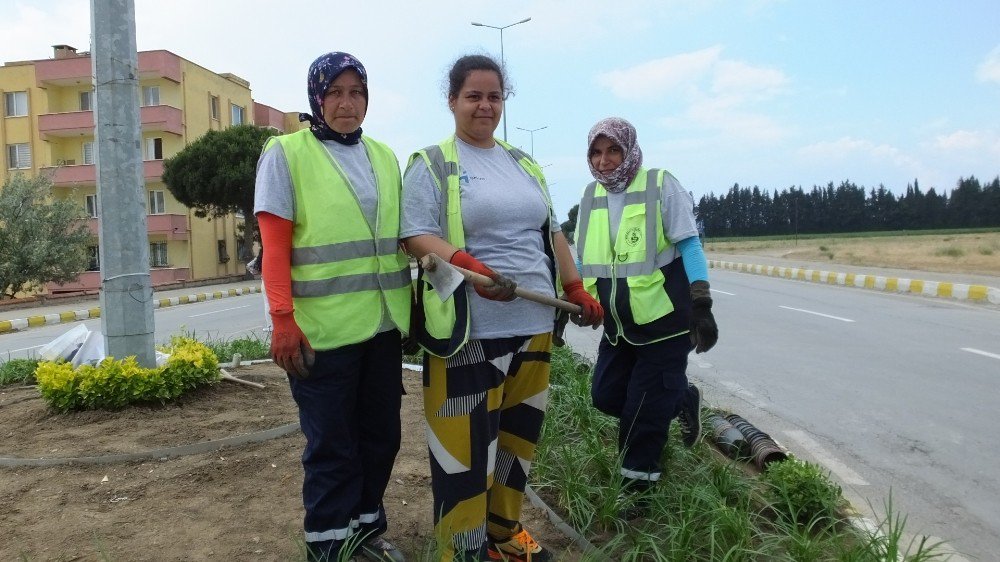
column 126, row 289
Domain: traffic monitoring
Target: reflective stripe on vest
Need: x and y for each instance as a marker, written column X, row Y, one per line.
column 343, row 268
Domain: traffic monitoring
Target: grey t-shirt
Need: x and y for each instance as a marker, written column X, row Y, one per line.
column 503, row 214
column 676, row 209
column 273, row 191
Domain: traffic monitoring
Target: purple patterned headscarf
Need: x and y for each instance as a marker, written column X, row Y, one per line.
column 622, row 133
column 322, row 72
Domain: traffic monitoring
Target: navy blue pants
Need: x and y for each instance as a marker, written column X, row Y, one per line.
column 349, row 412
column 643, row 386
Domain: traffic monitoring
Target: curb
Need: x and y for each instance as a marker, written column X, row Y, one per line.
column 95, row 312
column 942, row 289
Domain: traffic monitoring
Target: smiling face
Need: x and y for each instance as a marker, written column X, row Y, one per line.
column 344, row 104
column 477, row 108
column 605, row 155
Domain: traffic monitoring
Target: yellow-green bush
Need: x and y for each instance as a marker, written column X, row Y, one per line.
column 113, row 384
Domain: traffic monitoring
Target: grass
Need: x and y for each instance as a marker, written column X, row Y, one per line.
column 949, row 251
column 707, row 508
column 18, row 371
column 250, row 348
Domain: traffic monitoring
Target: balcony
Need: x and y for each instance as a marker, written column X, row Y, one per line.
column 175, row 227
column 154, row 118
column 90, row 281
column 86, row 174
column 74, row 71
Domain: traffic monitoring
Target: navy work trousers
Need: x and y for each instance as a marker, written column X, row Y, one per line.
column 643, row 386
column 349, row 412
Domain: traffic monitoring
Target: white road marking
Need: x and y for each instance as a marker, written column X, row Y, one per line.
column 817, row 313
column 723, row 292
column 980, row 352
column 826, row 459
column 24, row 348
column 218, row 311
column 253, row 329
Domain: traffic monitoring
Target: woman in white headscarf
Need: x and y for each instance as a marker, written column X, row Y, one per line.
column 641, row 257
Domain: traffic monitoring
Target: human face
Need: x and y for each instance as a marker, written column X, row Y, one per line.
column 605, row 155
column 478, row 107
column 344, row 104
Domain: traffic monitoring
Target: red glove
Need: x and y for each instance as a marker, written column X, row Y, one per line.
column 593, row 312
column 290, row 349
column 502, row 288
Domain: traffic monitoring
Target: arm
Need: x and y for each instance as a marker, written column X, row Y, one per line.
column 593, row 312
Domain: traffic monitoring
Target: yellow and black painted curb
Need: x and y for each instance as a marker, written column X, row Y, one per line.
column 942, row 289
column 95, row 312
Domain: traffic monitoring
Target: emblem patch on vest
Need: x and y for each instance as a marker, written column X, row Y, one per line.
column 633, row 236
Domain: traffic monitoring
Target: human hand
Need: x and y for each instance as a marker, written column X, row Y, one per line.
column 704, row 331
column 593, row 313
column 502, row 288
column 290, row 349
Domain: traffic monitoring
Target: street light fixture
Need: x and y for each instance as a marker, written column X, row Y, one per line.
column 532, row 131
column 502, row 61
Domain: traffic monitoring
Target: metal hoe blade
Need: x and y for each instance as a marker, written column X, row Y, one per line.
column 443, row 277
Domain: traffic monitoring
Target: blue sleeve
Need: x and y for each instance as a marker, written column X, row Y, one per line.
column 694, row 260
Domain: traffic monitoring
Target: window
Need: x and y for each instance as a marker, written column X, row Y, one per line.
column 88, row 152
column 15, row 104
column 238, row 114
column 94, row 253
column 92, row 206
column 240, row 247
column 158, row 254
column 223, row 254
column 154, row 149
column 18, row 156
column 156, row 206
column 150, row 95
column 87, row 100
column 213, row 107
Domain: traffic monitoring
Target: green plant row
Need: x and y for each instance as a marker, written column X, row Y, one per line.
column 18, row 371
column 705, row 507
column 113, row 384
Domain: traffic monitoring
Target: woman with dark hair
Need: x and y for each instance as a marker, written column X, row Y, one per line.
column 483, row 205
column 640, row 255
column 338, row 286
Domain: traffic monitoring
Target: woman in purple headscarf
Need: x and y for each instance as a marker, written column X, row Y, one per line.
column 640, row 255
column 338, row 286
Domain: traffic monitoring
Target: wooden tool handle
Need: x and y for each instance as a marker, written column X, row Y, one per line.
column 479, row 279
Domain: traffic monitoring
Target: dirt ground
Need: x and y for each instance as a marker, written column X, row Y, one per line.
column 235, row 503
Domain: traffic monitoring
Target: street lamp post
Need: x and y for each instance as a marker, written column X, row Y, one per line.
column 532, row 131
column 502, row 61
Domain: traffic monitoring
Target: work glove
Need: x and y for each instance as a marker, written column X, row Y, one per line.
column 704, row 331
column 290, row 349
column 592, row 314
column 502, row 288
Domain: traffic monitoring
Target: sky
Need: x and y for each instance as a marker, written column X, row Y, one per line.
column 768, row 93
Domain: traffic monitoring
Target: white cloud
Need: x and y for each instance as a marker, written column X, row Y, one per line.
column 733, row 77
column 659, row 77
column 989, row 69
column 846, row 148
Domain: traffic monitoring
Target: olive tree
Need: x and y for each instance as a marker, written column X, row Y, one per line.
column 42, row 240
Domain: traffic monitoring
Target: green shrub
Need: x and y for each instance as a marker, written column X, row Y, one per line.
column 113, row 384
column 18, row 371
column 802, row 492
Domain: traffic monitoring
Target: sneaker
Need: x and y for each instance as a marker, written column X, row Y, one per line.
column 690, row 416
column 520, row 547
column 381, row 550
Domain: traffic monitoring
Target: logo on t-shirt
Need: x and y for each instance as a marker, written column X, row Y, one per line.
column 464, row 179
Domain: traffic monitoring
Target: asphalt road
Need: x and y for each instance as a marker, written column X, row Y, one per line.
column 888, row 392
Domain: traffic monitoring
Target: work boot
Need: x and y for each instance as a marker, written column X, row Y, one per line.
column 520, row 547
column 381, row 550
column 690, row 416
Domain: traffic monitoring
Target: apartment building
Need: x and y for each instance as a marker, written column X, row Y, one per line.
column 48, row 128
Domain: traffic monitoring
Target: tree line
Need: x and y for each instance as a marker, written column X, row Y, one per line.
column 745, row 211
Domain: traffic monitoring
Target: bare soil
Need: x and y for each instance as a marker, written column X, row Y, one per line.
column 235, row 503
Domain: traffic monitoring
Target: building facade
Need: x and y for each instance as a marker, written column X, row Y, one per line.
column 48, row 129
